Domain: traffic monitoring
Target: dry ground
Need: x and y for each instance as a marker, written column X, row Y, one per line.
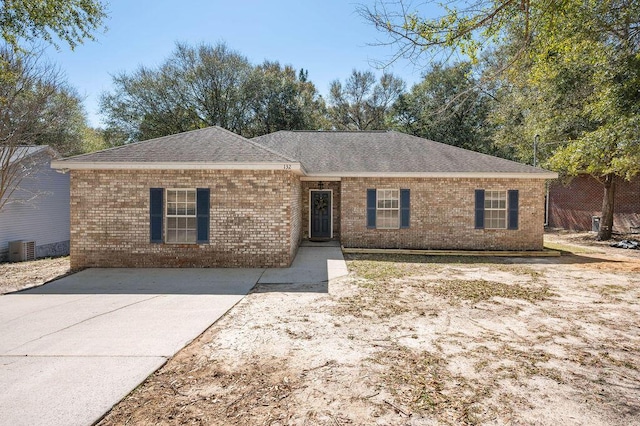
column 18, row 276
column 411, row 340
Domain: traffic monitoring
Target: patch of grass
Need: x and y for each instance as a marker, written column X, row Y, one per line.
column 421, row 381
column 570, row 248
column 479, row 290
column 376, row 271
column 373, row 299
column 526, row 363
column 611, row 289
column 516, row 269
column 416, row 259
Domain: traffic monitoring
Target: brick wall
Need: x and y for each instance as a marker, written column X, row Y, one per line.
column 572, row 204
column 295, row 213
column 252, row 219
column 442, row 215
column 335, row 209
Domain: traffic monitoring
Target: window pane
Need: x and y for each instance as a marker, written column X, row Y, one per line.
column 181, row 211
column 495, row 205
column 388, row 204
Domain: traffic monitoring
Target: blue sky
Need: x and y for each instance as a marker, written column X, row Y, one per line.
column 327, row 37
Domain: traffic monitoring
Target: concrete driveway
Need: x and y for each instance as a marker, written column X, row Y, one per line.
column 73, row 348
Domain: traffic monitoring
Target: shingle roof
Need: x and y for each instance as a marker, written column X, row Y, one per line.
column 331, row 152
column 209, row 145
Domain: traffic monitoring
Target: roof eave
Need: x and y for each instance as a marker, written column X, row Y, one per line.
column 103, row 165
column 477, row 175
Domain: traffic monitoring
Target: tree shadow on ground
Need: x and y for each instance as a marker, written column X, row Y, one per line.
column 565, row 258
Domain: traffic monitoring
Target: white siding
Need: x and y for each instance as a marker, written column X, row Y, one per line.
column 44, row 220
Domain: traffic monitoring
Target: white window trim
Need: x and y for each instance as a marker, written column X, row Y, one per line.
column 167, row 215
column 505, row 209
column 378, row 209
column 330, row 210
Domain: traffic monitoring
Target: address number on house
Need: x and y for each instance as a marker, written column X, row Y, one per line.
column 287, row 166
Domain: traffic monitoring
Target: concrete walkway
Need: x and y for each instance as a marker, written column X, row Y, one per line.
column 71, row 349
column 315, row 264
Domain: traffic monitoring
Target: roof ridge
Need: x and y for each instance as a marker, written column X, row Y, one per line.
column 335, row 131
column 279, row 154
column 114, row 148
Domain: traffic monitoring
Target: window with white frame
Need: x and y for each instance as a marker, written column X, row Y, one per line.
column 495, row 209
column 181, row 217
column 388, row 209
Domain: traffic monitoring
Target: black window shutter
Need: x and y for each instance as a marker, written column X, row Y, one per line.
column 371, row 208
column 512, row 216
column 405, row 202
column 155, row 214
column 479, row 208
column 202, row 214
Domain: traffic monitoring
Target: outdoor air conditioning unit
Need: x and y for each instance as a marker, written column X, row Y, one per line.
column 19, row 251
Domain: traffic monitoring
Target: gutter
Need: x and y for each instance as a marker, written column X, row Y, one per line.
column 97, row 165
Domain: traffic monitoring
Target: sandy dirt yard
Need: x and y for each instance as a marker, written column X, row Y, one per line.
column 18, row 276
column 410, row 340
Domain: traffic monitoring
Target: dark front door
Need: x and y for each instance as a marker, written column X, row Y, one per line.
column 320, row 215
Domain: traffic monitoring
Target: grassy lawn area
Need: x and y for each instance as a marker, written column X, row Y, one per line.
column 416, row 340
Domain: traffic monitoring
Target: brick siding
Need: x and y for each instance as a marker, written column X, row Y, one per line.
column 254, row 219
column 335, row 209
column 295, row 213
column 442, row 215
column 572, row 204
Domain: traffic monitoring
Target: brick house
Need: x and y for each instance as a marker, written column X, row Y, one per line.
column 573, row 204
column 211, row 198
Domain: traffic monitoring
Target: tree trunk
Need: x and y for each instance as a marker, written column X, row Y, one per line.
column 606, row 221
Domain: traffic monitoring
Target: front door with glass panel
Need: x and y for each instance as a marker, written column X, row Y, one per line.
column 320, row 206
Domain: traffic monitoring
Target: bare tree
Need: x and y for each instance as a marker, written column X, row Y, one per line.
column 363, row 104
column 28, row 88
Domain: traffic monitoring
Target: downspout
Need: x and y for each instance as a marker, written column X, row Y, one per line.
column 546, row 202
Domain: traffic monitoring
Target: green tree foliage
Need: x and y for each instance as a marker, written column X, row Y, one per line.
column 361, row 103
column 279, row 99
column 466, row 28
column 195, row 87
column 581, row 95
column 70, row 21
column 566, row 70
column 209, row 85
column 448, row 106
